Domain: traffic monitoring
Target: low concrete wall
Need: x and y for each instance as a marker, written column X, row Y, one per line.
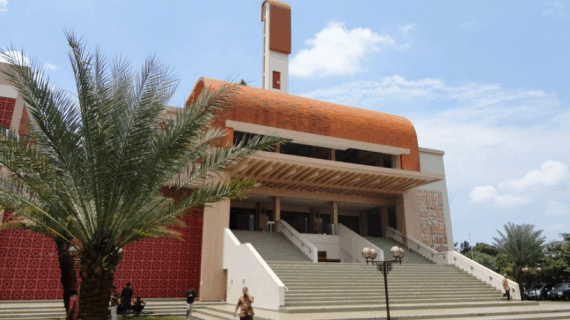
column 351, row 244
column 328, row 243
column 246, row 268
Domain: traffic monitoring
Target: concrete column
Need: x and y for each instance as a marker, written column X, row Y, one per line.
column 384, row 221
column 257, row 221
column 334, row 212
column 216, row 218
column 277, row 208
column 363, row 223
column 312, row 220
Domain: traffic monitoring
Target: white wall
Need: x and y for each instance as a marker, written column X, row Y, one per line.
column 327, row 243
column 246, row 268
column 352, row 243
column 431, row 161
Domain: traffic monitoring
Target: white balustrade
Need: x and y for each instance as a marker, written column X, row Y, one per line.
column 246, row 268
column 309, row 249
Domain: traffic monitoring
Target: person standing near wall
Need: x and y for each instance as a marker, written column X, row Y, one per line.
column 127, row 296
column 245, row 303
column 190, row 295
column 506, row 287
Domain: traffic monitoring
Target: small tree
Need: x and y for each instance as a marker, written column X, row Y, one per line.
column 522, row 244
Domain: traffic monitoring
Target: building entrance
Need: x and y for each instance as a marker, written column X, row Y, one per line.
column 242, row 219
column 374, row 225
column 351, row 222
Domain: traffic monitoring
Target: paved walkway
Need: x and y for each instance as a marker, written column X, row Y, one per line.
column 543, row 306
column 404, row 314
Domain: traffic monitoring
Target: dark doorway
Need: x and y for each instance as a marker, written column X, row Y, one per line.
column 351, row 222
column 242, row 219
column 392, row 217
column 374, row 224
column 298, row 220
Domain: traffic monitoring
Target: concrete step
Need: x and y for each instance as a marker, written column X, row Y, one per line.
column 358, row 297
column 393, row 300
column 532, row 316
column 401, row 306
column 379, row 292
column 392, row 287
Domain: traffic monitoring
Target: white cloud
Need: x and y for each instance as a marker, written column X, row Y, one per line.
column 556, row 209
column 337, row 51
column 516, row 192
column 550, row 173
column 16, row 55
column 407, row 28
column 558, row 226
column 3, row 6
column 469, row 25
column 555, row 8
column 489, row 195
column 50, row 66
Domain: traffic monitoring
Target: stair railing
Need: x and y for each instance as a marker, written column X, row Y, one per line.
column 352, row 243
column 246, row 268
column 457, row 260
column 298, row 240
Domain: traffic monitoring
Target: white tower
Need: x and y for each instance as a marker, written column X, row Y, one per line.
column 276, row 17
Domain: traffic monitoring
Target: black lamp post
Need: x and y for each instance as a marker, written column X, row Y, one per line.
column 525, row 272
column 384, row 267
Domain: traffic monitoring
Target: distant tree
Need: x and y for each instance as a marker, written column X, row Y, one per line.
column 522, row 244
column 464, row 247
column 556, row 266
column 486, row 249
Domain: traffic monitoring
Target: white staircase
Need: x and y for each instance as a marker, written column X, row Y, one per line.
column 326, row 287
column 272, row 246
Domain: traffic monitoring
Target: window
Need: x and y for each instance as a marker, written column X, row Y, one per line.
column 276, row 80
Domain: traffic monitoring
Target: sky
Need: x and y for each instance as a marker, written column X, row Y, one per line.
column 485, row 81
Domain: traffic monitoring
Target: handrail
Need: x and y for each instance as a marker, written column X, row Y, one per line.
column 309, row 249
column 246, row 267
column 459, row 261
column 418, row 246
column 481, row 272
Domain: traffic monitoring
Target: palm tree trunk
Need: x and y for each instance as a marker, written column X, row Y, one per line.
column 96, row 283
column 67, row 268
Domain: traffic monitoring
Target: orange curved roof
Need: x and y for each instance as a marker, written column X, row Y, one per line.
column 285, row 111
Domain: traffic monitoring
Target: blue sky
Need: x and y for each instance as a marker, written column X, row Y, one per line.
column 485, row 81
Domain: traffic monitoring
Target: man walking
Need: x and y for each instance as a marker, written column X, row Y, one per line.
column 244, row 303
column 127, row 296
column 506, row 287
column 190, row 295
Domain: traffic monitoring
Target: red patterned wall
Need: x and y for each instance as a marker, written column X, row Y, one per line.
column 6, row 111
column 157, row 268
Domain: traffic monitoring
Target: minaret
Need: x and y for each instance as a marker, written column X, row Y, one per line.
column 276, row 18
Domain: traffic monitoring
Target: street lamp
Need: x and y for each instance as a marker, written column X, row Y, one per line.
column 525, row 272
column 384, row 266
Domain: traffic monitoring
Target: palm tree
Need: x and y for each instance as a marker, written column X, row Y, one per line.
column 522, row 244
column 18, row 155
column 108, row 152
